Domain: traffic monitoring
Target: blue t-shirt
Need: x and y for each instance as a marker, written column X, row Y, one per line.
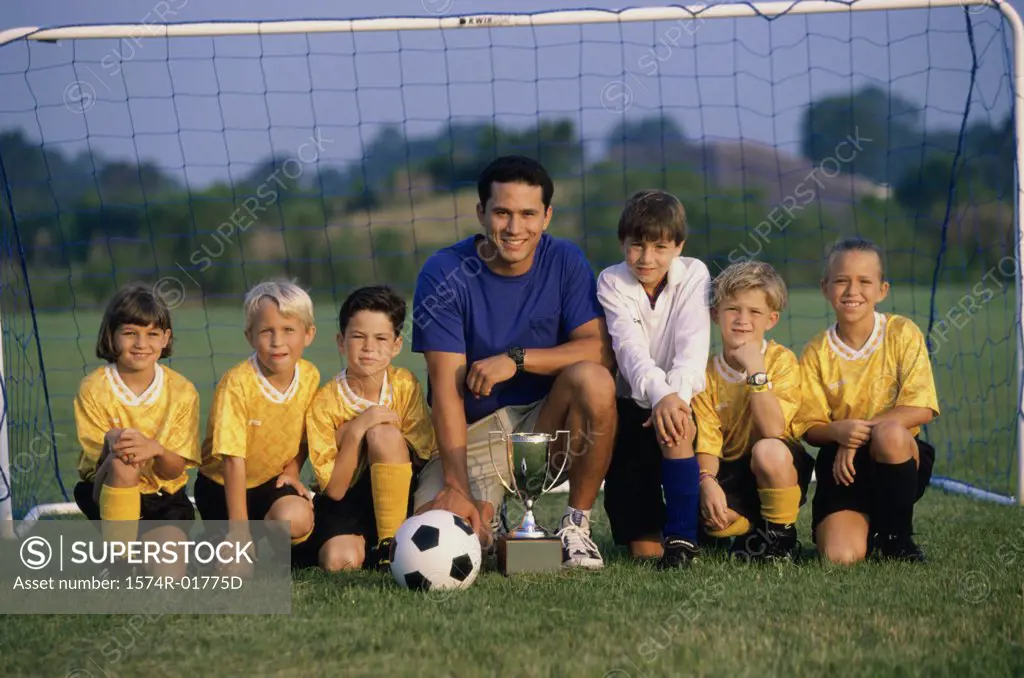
column 461, row 306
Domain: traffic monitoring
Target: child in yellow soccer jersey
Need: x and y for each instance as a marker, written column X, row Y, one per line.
column 254, row 447
column 366, row 428
column 868, row 389
column 137, row 421
column 754, row 474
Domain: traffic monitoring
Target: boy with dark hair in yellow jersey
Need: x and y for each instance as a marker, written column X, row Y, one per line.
column 137, row 423
column 255, row 437
column 868, row 389
column 367, row 429
column 753, row 472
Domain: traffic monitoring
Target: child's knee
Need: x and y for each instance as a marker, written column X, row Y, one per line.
column 121, row 474
column 843, row 553
column 336, row 558
column 385, row 443
column 890, row 442
column 650, row 547
column 769, row 456
column 297, row 512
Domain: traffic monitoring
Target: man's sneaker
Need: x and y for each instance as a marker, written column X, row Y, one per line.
column 678, row 553
column 578, row 549
column 382, row 554
column 768, row 542
column 898, row 547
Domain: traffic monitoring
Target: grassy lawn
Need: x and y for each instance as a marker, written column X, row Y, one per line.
column 961, row 614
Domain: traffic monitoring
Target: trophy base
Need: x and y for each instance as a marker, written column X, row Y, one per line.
column 517, row 556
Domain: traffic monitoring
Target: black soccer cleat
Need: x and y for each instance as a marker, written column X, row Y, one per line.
column 678, row 553
column 898, row 547
column 768, row 543
column 382, row 554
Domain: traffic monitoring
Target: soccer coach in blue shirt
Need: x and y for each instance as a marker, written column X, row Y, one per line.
column 514, row 340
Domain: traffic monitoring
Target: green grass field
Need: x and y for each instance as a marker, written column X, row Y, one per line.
column 960, row 615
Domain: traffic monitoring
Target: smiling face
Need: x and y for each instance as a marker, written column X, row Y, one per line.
column 278, row 340
column 650, row 260
column 138, row 347
column 368, row 343
column 854, row 286
column 513, row 219
column 744, row 317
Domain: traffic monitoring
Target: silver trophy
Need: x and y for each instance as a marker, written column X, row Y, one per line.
column 525, row 469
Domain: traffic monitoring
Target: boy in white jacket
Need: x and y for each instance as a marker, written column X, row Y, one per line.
column 656, row 304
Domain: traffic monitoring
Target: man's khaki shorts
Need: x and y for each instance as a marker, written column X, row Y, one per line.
column 484, row 453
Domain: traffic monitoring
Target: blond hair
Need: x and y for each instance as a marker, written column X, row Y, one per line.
column 292, row 301
column 750, row 275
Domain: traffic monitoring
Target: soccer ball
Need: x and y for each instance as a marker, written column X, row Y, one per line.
column 435, row 550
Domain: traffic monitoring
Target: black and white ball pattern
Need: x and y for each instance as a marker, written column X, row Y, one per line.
column 435, row 550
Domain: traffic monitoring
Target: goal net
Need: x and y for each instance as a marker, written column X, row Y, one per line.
column 202, row 158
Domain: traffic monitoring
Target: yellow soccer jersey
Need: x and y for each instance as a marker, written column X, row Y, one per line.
column 724, row 425
column 253, row 420
column 336, row 403
column 167, row 411
column 892, row 369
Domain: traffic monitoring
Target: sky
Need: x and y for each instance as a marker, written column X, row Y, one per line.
column 206, row 109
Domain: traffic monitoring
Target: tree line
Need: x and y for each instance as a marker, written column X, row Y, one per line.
column 86, row 224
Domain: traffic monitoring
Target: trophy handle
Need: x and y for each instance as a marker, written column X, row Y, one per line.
column 565, row 461
column 508, row 457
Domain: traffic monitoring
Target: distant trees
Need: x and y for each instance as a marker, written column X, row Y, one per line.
column 89, row 221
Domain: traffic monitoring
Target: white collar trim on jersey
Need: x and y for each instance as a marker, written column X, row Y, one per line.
column 127, row 396
column 728, row 373
column 268, row 390
column 869, row 347
column 359, row 403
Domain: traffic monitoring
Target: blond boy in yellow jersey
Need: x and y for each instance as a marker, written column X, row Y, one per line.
column 754, row 474
column 255, row 437
column 369, row 432
column 867, row 390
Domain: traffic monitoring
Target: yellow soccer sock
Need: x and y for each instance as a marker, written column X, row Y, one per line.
column 120, row 511
column 739, row 527
column 390, row 484
column 780, row 505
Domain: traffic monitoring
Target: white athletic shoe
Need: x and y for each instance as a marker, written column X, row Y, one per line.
column 578, row 549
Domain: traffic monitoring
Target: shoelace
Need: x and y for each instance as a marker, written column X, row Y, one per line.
column 575, row 536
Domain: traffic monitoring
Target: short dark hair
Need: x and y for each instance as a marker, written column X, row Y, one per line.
column 379, row 298
column 515, row 169
column 133, row 304
column 852, row 244
column 653, row 215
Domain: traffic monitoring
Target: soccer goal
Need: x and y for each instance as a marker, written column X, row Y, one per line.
column 203, row 157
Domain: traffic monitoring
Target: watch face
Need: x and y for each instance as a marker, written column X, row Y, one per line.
column 759, row 379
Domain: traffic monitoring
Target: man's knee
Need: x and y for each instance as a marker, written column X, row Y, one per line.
column 592, row 385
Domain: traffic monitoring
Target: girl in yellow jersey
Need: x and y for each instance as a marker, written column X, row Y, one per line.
column 137, row 421
column 867, row 390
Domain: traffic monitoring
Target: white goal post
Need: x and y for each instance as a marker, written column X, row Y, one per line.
column 553, row 18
